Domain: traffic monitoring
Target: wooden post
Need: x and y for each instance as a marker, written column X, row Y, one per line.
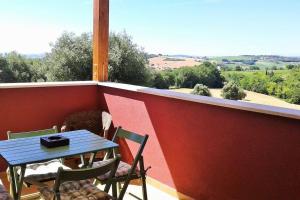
column 100, row 40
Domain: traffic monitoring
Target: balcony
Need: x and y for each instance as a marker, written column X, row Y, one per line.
column 199, row 147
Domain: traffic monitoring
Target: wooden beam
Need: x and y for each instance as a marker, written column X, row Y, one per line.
column 100, row 40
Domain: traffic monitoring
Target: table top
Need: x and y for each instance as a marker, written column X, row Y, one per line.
column 29, row 150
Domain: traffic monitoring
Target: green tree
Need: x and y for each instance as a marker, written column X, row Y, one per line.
column 232, row 91
column 290, row 66
column 256, row 82
column 209, row 75
column 38, row 74
column 201, row 89
column 274, row 67
column 206, row 74
column 6, row 75
column 70, row 58
column 295, row 95
column 253, row 67
column 186, row 77
column 238, row 68
column 14, row 68
column 127, row 62
column 159, row 81
column 169, row 76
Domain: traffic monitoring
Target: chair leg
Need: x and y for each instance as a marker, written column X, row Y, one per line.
column 124, row 188
column 144, row 188
column 119, row 187
column 143, row 177
column 114, row 190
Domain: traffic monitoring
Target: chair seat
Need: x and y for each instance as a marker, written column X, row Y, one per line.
column 43, row 171
column 123, row 169
column 76, row 190
column 39, row 172
column 3, row 193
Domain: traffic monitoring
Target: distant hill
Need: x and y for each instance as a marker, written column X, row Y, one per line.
column 42, row 55
column 273, row 58
column 247, row 62
column 255, row 61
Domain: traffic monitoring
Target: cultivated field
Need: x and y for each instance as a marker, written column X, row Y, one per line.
column 251, row 97
column 165, row 62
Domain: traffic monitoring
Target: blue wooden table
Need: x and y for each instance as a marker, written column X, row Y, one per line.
column 23, row 151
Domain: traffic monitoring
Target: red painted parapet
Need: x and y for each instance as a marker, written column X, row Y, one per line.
column 204, row 151
column 211, row 152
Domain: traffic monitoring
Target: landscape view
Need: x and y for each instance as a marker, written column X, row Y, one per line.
column 257, row 63
column 265, row 79
column 149, row 100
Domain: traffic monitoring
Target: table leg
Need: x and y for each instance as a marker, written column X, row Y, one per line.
column 13, row 188
column 20, row 181
column 92, row 158
column 83, row 162
column 16, row 181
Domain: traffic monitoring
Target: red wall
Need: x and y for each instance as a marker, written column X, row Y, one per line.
column 27, row 109
column 207, row 152
column 210, row 152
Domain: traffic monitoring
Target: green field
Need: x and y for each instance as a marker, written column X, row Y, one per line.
column 247, row 61
column 262, row 72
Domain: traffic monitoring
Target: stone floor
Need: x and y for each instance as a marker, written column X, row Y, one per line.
column 134, row 192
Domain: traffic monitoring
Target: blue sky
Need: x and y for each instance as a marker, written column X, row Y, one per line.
column 194, row 27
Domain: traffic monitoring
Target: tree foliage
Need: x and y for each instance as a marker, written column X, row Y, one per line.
column 256, row 83
column 70, row 58
column 15, row 68
column 284, row 85
column 6, row 75
column 127, row 62
column 206, row 74
column 186, row 77
column 159, row 81
column 201, row 89
column 232, row 91
column 292, row 66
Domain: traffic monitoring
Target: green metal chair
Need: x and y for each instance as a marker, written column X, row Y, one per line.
column 37, row 172
column 126, row 172
column 78, row 183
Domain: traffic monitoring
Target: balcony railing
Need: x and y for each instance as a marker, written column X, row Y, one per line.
column 202, row 147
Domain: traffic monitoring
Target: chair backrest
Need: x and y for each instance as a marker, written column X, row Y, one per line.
column 65, row 175
column 140, row 139
column 16, row 135
column 106, row 122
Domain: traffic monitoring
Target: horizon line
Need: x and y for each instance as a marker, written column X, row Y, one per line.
column 177, row 54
